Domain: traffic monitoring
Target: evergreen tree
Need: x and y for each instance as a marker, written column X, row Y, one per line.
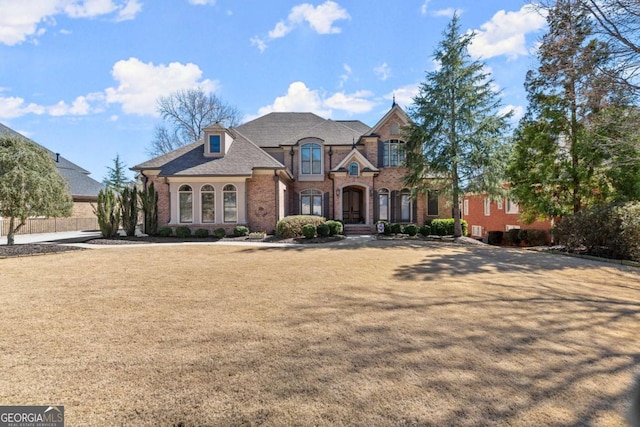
column 457, row 133
column 116, row 178
column 30, row 184
column 558, row 163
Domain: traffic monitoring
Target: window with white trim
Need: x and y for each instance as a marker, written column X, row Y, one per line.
column 311, row 202
column 207, row 204
column 499, row 203
column 512, row 207
column 487, row 206
column 354, row 169
column 405, row 206
column 185, row 203
column 230, row 202
column 465, row 208
column 383, row 204
column 476, row 230
column 311, row 159
column 393, row 154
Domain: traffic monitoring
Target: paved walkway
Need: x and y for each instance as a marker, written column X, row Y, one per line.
column 52, row 237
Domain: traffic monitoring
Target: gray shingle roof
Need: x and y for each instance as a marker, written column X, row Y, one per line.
column 78, row 179
column 241, row 159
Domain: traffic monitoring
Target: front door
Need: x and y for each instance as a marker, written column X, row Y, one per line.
column 352, row 206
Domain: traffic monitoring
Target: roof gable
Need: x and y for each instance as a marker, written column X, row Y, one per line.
column 355, row 155
column 395, row 112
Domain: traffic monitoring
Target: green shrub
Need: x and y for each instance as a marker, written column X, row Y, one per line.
column 445, row 226
column 425, row 230
column 411, row 229
column 534, row 237
column 220, row 233
column 323, row 230
column 129, row 209
column 291, row 226
column 108, row 213
column 183, row 232
column 201, row 232
column 495, row 237
column 309, row 231
column 165, row 231
column 240, row 231
column 149, row 205
column 611, row 231
column 396, row 228
column 512, row 237
column 335, row 227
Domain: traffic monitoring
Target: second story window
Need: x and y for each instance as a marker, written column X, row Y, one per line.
column 311, row 159
column 393, row 153
column 353, row 169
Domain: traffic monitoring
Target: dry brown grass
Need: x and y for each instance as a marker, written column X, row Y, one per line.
column 387, row 333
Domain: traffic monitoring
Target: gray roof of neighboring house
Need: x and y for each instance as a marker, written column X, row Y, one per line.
column 275, row 129
column 241, row 159
column 78, row 179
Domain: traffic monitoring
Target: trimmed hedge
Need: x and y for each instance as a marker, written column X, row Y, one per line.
column 411, row 229
column 425, row 230
column 309, row 231
column 323, row 230
column 291, row 226
column 201, row 232
column 534, row 237
column 396, row 228
column 445, row 227
column 512, row 237
column 220, row 233
column 495, row 237
column 165, row 231
column 335, row 227
column 183, row 232
column 240, row 231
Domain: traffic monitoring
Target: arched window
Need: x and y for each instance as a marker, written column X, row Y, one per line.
column 311, row 159
column 230, row 197
column 383, row 204
column 354, row 169
column 311, row 202
column 393, row 154
column 405, row 205
column 208, row 203
column 185, row 203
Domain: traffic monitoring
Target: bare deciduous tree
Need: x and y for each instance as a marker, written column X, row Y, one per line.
column 186, row 113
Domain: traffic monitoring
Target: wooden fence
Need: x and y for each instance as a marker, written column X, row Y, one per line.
column 51, row 225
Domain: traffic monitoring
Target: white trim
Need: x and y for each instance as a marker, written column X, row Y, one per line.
column 367, row 200
column 487, row 206
column 512, row 207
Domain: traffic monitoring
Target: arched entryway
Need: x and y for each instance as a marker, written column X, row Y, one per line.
column 353, row 206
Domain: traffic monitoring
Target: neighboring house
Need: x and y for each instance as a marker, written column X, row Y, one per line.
column 484, row 214
column 289, row 163
column 82, row 188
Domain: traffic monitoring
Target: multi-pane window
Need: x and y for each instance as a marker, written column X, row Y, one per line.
column 353, row 169
column 432, row 203
column 208, row 203
column 230, row 202
column 487, row 206
column 383, row 204
column 393, row 154
column 512, row 207
column 185, row 203
column 311, row 202
column 311, row 159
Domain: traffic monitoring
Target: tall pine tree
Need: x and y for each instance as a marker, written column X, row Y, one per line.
column 559, row 164
column 457, row 133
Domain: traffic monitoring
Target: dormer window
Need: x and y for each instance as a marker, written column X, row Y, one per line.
column 214, row 144
column 354, row 169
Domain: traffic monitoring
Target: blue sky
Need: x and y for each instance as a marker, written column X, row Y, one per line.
column 81, row 77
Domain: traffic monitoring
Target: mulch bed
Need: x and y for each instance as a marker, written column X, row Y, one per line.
column 34, row 249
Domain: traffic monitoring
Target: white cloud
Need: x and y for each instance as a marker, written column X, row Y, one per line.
column 383, row 71
column 404, row 95
column 27, row 19
column 81, row 106
column 518, row 112
column 425, row 7
column 300, row 98
column 202, row 2
column 347, row 74
column 505, row 33
column 141, row 84
column 447, row 13
column 12, row 107
column 321, row 19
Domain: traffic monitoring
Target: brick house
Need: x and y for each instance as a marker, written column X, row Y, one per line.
column 289, row 163
column 82, row 188
column 484, row 214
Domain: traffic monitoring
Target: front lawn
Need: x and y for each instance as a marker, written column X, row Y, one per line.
column 383, row 333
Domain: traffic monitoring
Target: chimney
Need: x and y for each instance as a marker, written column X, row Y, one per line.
column 57, row 157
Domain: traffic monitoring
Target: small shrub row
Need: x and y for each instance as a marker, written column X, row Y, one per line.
column 184, row 232
column 445, row 226
column 292, row 226
column 395, row 228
